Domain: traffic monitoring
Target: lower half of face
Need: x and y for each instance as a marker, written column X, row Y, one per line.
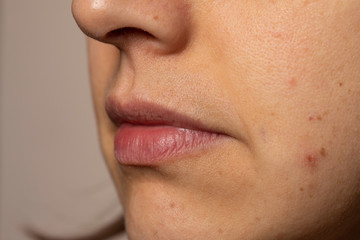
column 279, row 84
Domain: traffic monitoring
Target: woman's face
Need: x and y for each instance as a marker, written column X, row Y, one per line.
column 271, row 89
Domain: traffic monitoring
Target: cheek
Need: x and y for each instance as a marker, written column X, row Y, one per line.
column 296, row 81
column 305, row 117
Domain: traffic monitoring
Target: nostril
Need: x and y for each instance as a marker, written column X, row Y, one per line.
column 160, row 26
column 127, row 34
column 131, row 31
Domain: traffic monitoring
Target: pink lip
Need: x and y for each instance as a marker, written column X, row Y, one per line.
column 151, row 145
column 149, row 135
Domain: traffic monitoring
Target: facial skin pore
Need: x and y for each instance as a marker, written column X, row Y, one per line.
column 279, row 78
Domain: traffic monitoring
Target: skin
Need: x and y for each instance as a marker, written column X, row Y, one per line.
column 280, row 78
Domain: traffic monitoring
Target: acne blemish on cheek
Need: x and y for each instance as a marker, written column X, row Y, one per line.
column 318, row 117
column 311, row 160
column 156, row 17
column 292, row 82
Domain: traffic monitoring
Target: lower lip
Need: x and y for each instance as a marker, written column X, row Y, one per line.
column 151, row 145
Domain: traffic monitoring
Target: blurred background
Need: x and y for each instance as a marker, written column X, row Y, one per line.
column 52, row 175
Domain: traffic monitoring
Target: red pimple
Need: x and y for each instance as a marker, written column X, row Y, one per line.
column 311, row 162
column 318, row 117
column 293, row 82
column 310, row 158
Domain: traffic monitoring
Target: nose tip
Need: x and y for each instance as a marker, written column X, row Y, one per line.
column 120, row 22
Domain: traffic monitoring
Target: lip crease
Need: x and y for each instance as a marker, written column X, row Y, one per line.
column 149, row 134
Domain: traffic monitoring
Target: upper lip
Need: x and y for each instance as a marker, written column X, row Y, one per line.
column 148, row 113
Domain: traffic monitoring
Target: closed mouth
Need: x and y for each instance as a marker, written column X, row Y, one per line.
column 149, row 134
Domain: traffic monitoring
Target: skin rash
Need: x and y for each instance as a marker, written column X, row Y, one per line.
column 280, row 80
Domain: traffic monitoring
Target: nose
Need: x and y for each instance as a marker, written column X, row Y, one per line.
column 159, row 24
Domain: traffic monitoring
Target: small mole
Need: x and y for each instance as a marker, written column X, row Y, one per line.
column 220, row 173
column 220, row 231
column 340, row 84
column 172, row 204
column 156, row 17
column 323, row 152
column 301, row 189
column 319, row 118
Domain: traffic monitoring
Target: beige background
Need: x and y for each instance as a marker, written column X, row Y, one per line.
column 52, row 173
